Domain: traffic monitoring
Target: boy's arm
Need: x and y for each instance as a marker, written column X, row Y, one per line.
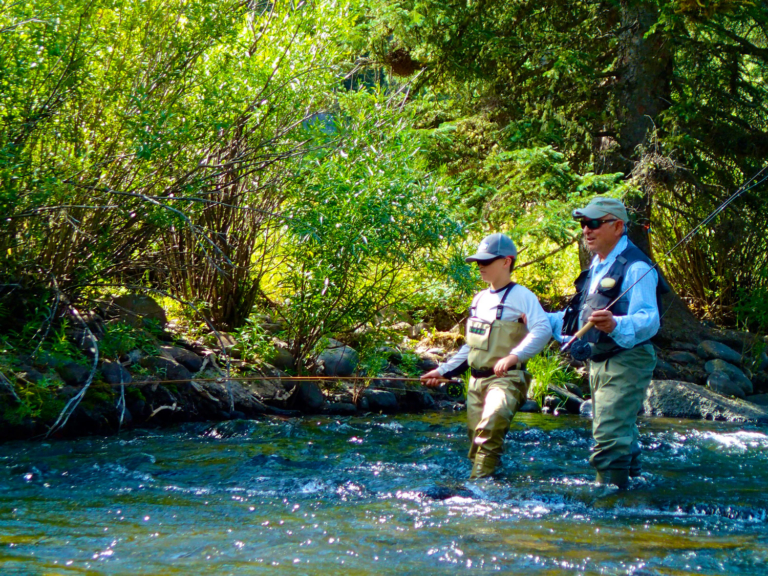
column 537, row 322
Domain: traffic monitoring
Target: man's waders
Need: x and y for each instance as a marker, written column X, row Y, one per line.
column 492, row 401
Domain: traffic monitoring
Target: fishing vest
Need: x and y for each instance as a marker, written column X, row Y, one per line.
column 583, row 304
column 489, row 342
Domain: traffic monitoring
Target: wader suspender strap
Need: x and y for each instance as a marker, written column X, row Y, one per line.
column 500, row 306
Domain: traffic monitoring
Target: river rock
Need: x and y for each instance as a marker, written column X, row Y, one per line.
column 134, row 309
column 115, row 373
column 414, row 332
column 759, row 399
column 426, row 363
column 380, row 400
column 675, row 399
column 763, row 366
column 721, row 383
column 393, row 355
column 530, row 406
column 665, row 371
column 339, row 359
column 283, row 359
column 308, row 397
column 683, row 358
column 572, row 402
column 340, row 408
column 73, row 373
column 166, row 368
column 189, row 360
column 586, row 409
column 709, row 349
column 734, row 373
column 30, row 374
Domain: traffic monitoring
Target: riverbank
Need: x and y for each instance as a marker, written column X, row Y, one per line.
column 163, row 377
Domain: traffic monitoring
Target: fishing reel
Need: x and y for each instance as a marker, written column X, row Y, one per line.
column 580, row 350
column 454, row 389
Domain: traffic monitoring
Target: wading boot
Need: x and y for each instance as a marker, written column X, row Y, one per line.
column 635, row 467
column 484, row 466
column 619, row 478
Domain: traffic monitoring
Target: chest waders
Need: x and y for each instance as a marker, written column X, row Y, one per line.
column 492, row 401
column 618, row 377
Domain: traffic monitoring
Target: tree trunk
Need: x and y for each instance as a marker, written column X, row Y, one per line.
column 645, row 68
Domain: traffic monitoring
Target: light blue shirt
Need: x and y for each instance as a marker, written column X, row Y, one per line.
column 642, row 320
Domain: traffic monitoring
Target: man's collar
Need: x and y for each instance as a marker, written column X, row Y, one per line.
column 621, row 245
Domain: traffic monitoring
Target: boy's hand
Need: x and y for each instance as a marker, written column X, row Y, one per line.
column 432, row 379
column 505, row 364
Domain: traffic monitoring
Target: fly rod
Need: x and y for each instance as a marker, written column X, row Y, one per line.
column 579, row 351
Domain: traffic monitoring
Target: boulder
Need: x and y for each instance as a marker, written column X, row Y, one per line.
column 675, row 399
column 393, row 355
column 340, row 409
column 586, row 409
column 721, row 383
column 530, row 406
column 134, row 309
column 571, row 400
column 414, row 332
column 735, row 374
column 759, row 399
column 338, row 359
column 709, row 350
column 763, row 366
column 308, row 397
column 115, row 373
column 283, row 359
column 73, row 373
column 166, row 368
column 189, row 360
column 380, row 400
column 683, row 358
column 427, row 363
column 30, row 374
column 665, row 370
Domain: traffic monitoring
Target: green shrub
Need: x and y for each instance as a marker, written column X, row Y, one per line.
column 549, row 367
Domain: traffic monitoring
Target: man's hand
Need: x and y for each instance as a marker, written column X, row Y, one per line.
column 432, row 379
column 505, row 364
column 603, row 320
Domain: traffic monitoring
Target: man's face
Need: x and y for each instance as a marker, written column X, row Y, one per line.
column 601, row 240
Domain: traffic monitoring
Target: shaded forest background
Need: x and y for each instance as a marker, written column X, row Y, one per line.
column 329, row 162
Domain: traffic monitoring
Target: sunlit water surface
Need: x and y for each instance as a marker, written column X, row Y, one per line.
column 381, row 495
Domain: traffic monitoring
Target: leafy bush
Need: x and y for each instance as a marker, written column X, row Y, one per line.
column 549, row 367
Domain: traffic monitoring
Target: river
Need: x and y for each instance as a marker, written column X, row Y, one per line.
column 381, row 495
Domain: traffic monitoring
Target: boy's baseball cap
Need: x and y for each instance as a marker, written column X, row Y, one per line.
column 492, row 247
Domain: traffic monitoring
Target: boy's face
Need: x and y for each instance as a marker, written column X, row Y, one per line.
column 495, row 271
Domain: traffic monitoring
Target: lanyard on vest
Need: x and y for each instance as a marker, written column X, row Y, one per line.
column 500, row 306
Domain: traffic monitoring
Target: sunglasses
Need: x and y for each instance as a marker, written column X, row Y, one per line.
column 594, row 224
column 487, row 262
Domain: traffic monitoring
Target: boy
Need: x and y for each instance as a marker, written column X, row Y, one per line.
column 506, row 327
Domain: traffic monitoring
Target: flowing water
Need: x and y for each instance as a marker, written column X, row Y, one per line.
column 381, row 495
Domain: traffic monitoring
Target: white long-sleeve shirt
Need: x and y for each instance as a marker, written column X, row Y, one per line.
column 519, row 302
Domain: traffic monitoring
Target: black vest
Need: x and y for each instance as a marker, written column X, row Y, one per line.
column 583, row 304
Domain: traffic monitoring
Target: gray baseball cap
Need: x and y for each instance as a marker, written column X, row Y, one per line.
column 602, row 206
column 494, row 246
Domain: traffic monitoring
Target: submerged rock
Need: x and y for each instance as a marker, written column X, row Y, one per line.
column 675, row 399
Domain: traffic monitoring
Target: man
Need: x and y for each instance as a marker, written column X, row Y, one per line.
column 507, row 326
column 622, row 357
